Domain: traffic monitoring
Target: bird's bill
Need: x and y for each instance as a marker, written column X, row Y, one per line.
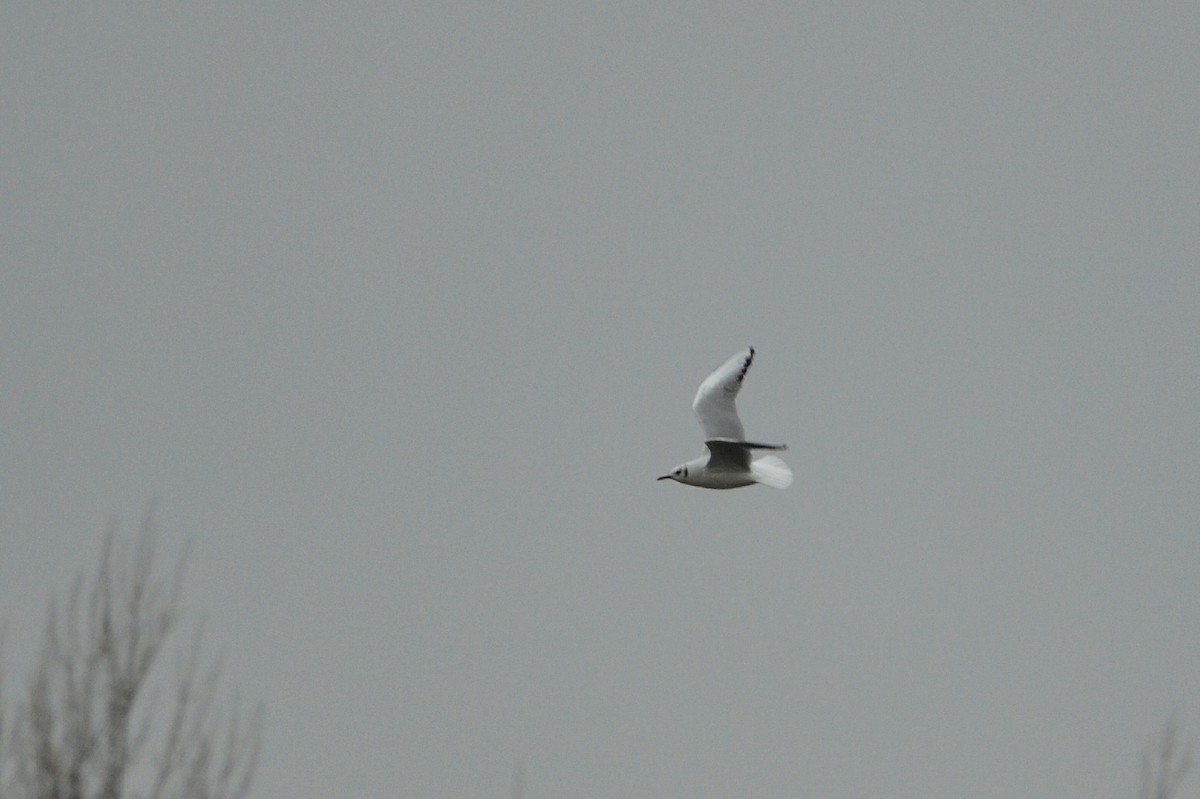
column 664, row 477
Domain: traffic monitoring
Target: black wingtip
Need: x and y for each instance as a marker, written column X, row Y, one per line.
column 746, row 366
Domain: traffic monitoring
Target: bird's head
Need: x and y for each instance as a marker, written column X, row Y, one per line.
column 678, row 474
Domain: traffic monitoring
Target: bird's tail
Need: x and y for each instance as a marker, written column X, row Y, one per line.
column 772, row 471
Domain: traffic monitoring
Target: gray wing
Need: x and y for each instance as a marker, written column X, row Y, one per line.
column 714, row 405
column 727, row 454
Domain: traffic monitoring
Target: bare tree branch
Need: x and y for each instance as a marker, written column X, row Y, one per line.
column 81, row 732
column 1165, row 762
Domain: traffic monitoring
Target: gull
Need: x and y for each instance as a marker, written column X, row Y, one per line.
column 728, row 464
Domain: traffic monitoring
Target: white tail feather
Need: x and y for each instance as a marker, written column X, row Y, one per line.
column 770, row 470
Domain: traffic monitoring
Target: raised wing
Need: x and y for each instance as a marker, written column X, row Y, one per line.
column 714, row 401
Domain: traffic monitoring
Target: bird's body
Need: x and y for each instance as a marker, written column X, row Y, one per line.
column 728, row 463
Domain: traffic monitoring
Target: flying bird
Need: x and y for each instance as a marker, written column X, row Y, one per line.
column 728, row 464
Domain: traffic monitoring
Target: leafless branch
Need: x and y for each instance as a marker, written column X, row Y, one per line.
column 81, row 732
column 1165, row 762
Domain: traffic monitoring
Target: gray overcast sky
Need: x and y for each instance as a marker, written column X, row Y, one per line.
column 398, row 309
